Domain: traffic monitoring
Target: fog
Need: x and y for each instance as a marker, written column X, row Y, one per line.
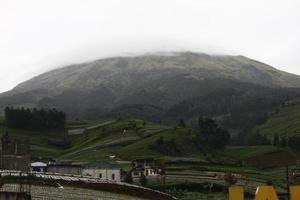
column 37, row 36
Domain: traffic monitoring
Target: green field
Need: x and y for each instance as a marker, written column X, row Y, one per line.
column 242, row 152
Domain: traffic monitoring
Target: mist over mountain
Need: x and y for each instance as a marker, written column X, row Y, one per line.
column 161, row 87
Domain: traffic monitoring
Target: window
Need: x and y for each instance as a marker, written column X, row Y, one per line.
column 113, row 176
column 100, row 175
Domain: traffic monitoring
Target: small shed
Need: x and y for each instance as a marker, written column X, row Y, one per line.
column 38, row 167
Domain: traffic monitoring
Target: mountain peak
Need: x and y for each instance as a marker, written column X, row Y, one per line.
column 160, row 79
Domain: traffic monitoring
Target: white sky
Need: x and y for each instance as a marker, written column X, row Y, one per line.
column 39, row 35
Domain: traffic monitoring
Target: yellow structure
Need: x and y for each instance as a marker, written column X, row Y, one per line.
column 266, row 193
column 295, row 192
column 263, row 193
column 236, row 193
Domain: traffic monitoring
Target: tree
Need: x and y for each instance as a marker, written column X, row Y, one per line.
column 276, row 141
column 294, row 142
column 143, row 180
column 283, row 142
column 257, row 139
column 169, row 147
column 213, row 135
column 182, row 124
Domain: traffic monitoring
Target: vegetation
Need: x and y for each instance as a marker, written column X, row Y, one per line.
column 294, row 142
column 212, row 135
column 143, row 180
column 166, row 147
column 128, row 178
column 248, row 138
column 21, row 118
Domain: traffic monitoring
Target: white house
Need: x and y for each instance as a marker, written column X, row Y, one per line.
column 148, row 167
column 105, row 174
column 102, row 170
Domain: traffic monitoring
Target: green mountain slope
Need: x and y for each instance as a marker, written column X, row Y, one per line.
column 286, row 120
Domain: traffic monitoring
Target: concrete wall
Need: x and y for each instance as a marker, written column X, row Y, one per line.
column 105, row 174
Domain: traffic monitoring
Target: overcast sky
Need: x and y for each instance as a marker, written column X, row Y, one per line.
column 39, row 35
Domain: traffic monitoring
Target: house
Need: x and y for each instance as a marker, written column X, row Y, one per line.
column 15, row 154
column 102, row 170
column 147, row 166
column 64, row 167
column 38, row 167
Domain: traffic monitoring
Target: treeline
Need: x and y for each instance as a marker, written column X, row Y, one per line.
column 34, row 119
column 293, row 142
column 249, row 138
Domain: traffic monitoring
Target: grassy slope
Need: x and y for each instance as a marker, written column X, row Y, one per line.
column 285, row 122
column 99, row 143
column 102, row 142
column 242, row 152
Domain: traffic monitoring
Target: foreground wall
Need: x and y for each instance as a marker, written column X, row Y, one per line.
column 14, row 196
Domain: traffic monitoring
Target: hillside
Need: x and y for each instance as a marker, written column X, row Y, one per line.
column 106, row 137
column 103, row 138
column 285, row 121
column 162, row 88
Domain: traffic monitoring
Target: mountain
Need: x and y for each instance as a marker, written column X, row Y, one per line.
column 161, row 88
